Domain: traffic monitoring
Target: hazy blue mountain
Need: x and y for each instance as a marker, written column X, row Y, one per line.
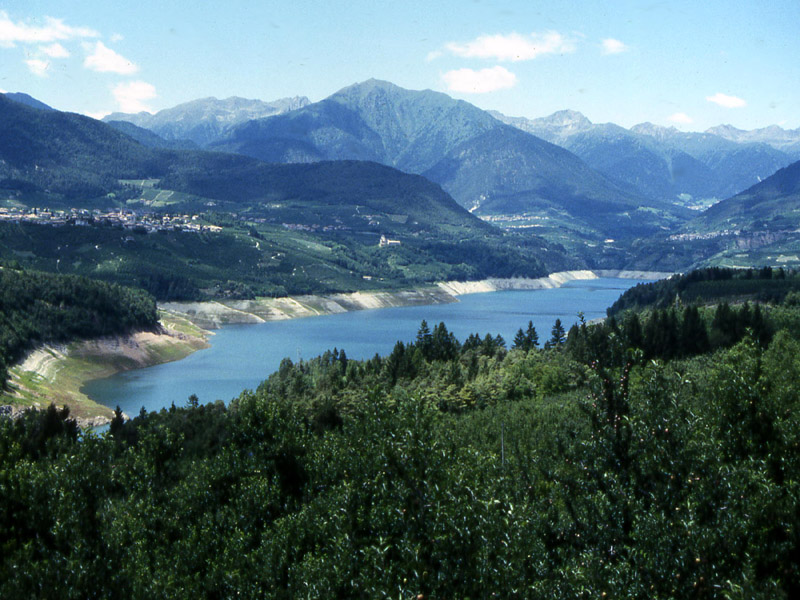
column 206, row 120
column 510, row 172
column 771, row 205
column 786, row 140
column 627, row 157
column 556, row 129
column 148, row 138
column 81, row 158
column 27, row 100
column 659, row 162
column 374, row 120
column 736, row 166
column 487, row 166
column 67, row 153
column 59, row 160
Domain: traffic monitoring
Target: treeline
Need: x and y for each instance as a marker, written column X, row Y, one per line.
column 710, row 285
column 447, row 469
column 38, row 308
column 667, row 334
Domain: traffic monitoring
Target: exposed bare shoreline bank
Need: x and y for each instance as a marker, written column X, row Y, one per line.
column 58, row 373
column 212, row 315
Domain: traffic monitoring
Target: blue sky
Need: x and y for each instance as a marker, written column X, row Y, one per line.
column 688, row 64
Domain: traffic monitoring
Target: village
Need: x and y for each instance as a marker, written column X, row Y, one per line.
column 125, row 218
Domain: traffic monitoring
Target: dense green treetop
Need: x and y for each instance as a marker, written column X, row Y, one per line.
column 709, row 285
column 38, row 308
column 447, row 469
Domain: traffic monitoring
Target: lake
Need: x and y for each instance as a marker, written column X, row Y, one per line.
column 241, row 356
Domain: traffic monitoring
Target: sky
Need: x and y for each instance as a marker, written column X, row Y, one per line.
column 692, row 65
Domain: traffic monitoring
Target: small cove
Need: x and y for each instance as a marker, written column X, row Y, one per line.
column 241, row 356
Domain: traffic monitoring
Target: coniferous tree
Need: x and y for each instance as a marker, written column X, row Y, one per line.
column 528, row 339
column 694, row 337
column 531, row 335
column 558, row 335
column 520, row 341
column 632, row 331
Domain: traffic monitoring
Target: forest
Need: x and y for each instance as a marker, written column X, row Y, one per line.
column 654, row 455
column 40, row 308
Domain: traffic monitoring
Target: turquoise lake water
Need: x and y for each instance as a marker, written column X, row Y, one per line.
column 241, row 356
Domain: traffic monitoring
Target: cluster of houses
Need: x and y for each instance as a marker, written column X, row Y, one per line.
column 686, row 237
column 125, row 218
column 304, row 227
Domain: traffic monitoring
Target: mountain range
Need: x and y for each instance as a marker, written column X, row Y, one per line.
column 414, row 131
column 278, row 228
column 772, row 205
column 206, row 120
column 662, row 162
column 786, row 140
column 577, row 183
column 76, row 158
column 489, row 167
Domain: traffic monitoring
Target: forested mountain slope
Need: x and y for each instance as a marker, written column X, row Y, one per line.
column 449, row 141
column 38, row 308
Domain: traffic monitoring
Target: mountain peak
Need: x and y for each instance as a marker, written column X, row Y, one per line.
column 556, row 128
column 774, row 135
column 357, row 93
column 569, row 119
column 27, row 100
column 727, row 131
column 657, row 131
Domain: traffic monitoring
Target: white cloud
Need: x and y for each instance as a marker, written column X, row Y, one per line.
column 131, row 96
column 53, row 29
column 612, row 46
column 55, row 51
column 98, row 115
column 681, row 118
column 37, row 66
column 105, row 60
column 726, row 101
column 469, row 81
column 2, row 91
column 433, row 55
column 513, row 47
column 117, row 37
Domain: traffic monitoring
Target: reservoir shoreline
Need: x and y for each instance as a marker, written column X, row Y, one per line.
column 216, row 314
column 58, row 373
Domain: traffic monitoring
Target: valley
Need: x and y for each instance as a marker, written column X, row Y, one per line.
column 315, row 226
column 413, row 300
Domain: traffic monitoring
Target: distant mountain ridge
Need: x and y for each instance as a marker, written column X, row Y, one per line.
column 771, row 205
column 151, row 139
column 280, row 228
column 660, row 162
column 487, row 166
column 27, row 100
column 374, row 120
column 81, row 158
column 785, row 140
column 205, row 120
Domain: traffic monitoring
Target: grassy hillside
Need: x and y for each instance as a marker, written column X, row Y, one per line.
column 287, row 228
column 487, row 166
column 772, row 205
column 756, row 227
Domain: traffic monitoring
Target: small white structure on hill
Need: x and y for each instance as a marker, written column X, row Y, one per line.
column 387, row 242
